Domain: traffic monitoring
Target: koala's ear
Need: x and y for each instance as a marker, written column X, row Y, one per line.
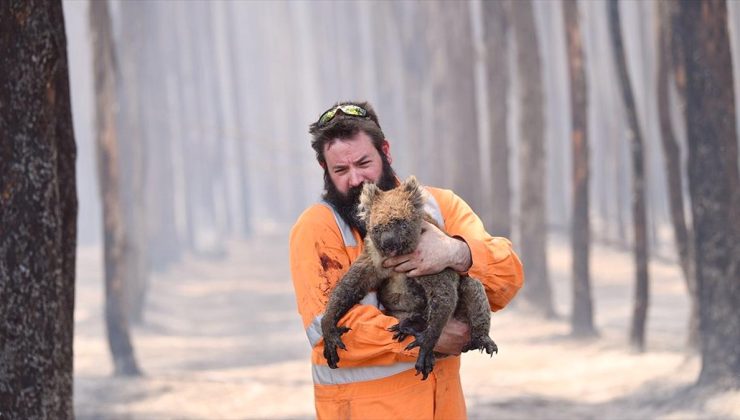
column 412, row 187
column 370, row 192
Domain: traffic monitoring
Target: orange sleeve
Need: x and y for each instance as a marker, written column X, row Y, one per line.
column 318, row 260
column 494, row 262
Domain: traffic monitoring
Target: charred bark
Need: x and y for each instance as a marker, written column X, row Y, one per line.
column 639, row 214
column 714, row 184
column 460, row 52
column 582, row 315
column 115, row 241
column 38, row 213
column 495, row 34
column 532, row 224
column 132, row 125
column 681, row 232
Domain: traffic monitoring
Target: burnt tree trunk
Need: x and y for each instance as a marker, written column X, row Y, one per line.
column 133, row 94
column 532, row 225
column 115, row 241
column 715, row 186
column 163, row 243
column 436, row 98
column 38, row 213
column 495, row 35
column 466, row 164
column 237, row 76
column 639, row 214
column 681, row 232
column 582, row 316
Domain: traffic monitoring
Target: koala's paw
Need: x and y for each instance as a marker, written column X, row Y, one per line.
column 425, row 362
column 409, row 326
column 333, row 340
column 482, row 343
column 397, row 333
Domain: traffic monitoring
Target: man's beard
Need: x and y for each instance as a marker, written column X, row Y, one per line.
column 346, row 204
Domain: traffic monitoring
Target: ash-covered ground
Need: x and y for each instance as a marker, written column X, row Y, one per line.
column 222, row 340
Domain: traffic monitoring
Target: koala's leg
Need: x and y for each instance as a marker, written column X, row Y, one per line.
column 473, row 308
column 359, row 280
column 441, row 294
column 411, row 298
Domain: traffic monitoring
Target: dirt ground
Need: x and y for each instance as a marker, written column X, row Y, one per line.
column 223, row 340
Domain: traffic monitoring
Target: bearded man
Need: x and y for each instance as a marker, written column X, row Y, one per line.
column 376, row 374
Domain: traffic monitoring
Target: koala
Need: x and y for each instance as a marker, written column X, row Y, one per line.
column 423, row 304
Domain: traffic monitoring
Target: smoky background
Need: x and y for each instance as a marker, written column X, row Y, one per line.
column 212, row 105
column 210, row 79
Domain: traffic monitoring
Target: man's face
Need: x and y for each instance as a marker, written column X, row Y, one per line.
column 349, row 164
column 353, row 161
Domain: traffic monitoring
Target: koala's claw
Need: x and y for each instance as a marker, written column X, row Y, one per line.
column 408, row 326
column 482, row 343
column 413, row 344
column 397, row 334
column 401, row 332
column 425, row 363
column 331, row 342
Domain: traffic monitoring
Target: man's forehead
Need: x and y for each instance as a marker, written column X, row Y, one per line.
column 358, row 140
column 349, row 147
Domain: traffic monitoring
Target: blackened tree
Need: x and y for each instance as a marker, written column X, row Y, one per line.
column 38, row 213
column 532, row 222
column 639, row 214
column 714, row 184
column 115, row 240
column 496, row 40
column 582, row 316
column 682, row 233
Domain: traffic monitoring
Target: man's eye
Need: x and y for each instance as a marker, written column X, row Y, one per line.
column 340, row 171
column 364, row 164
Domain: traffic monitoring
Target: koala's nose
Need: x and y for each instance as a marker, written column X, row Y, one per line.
column 389, row 242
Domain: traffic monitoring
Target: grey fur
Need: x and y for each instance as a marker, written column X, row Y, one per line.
column 424, row 304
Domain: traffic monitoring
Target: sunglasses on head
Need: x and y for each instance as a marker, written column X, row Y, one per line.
column 351, row 110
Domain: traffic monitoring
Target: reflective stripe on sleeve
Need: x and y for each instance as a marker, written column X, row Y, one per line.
column 313, row 331
column 347, row 236
column 324, row 375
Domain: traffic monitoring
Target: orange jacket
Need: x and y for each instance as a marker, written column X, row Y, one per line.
column 375, row 378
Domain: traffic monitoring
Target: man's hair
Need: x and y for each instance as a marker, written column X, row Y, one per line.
column 344, row 126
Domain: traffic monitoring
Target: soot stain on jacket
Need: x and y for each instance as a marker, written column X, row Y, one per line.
column 328, row 265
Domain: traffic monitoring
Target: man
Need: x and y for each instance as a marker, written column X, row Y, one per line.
column 376, row 375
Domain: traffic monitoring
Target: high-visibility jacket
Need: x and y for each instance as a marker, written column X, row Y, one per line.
column 376, row 375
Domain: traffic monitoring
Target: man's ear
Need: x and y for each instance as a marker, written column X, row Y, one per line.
column 386, row 148
column 412, row 187
column 370, row 192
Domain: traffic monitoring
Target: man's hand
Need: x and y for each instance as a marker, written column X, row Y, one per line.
column 455, row 335
column 435, row 252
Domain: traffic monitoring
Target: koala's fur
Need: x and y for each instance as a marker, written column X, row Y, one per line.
column 424, row 304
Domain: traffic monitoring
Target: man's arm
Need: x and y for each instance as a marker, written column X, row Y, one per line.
column 494, row 261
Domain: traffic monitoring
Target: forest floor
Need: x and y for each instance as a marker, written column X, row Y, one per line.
column 222, row 339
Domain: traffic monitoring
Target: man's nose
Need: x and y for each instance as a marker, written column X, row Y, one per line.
column 355, row 178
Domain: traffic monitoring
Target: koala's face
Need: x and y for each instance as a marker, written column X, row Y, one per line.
column 393, row 218
column 396, row 236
